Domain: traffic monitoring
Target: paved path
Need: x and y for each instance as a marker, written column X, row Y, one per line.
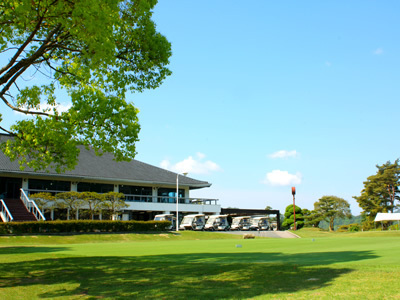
column 271, row 234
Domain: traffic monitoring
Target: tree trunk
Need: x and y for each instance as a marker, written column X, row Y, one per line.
column 331, row 224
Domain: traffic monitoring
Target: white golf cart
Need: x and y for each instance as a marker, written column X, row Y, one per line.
column 241, row 223
column 193, row 222
column 217, row 222
column 259, row 223
column 166, row 217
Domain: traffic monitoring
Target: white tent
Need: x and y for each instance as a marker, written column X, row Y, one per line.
column 387, row 217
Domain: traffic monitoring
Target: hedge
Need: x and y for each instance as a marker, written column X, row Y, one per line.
column 81, row 226
column 350, row 227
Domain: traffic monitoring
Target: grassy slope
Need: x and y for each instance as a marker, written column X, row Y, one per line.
column 200, row 265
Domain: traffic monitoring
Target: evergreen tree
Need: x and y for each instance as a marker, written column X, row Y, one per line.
column 288, row 222
column 330, row 208
column 381, row 192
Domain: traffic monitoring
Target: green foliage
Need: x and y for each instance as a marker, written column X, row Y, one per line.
column 94, row 52
column 331, row 207
column 82, row 226
column 43, row 200
column 71, row 201
column 115, row 202
column 381, row 192
column 341, row 221
column 95, row 202
column 288, row 222
column 349, row 228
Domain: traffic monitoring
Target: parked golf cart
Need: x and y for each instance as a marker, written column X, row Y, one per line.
column 217, row 222
column 193, row 222
column 259, row 223
column 241, row 223
column 166, row 217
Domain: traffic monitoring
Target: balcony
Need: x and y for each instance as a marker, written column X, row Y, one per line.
column 163, row 199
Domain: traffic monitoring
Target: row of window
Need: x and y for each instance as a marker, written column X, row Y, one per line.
column 134, row 193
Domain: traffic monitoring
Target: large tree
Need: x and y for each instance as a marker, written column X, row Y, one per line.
column 90, row 53
column 381, row 191
column 330, row 208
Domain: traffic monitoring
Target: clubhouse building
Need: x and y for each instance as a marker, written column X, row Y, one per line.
column 148, row 190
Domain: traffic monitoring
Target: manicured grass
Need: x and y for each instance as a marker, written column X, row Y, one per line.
column 201, row 265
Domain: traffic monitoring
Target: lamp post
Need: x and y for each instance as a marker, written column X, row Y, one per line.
column 177, row 200
column 294, row 207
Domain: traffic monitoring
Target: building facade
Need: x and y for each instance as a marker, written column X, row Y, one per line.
column 148, row 190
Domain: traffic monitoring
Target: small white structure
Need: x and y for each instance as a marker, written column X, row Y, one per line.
column 241, row 223
column 387, row 217
column 193, row 222
column 217, row 222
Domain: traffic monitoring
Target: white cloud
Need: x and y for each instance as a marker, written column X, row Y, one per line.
column 278, row 177
column 192, row 165
column 378, row 51
column 328, row 64
column 284, row 154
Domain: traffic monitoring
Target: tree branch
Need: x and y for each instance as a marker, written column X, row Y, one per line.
column 23, row 46
column 5, row 130
column 26, row 112
column 29, row 61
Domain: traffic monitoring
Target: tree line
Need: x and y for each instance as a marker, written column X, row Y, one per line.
column 379, row 195
column 94, row 202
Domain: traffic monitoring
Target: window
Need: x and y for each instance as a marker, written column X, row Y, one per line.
column 166, row 195
column 136, row 193
column 40, row 185
column 95, row 187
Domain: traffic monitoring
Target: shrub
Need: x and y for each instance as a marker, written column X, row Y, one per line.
column 82, row 226
column 349, row 227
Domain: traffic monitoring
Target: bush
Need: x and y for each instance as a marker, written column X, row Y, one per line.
column 82, row 226
column 349, row 228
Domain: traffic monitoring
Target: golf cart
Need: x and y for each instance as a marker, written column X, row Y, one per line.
column 193, row 222
column 166, row 217
column 259, row 223
column 241, row 223
column 217, row 222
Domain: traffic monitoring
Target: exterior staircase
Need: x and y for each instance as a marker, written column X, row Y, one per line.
column 18, row 210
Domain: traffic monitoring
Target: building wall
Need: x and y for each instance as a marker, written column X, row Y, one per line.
column 152, row 206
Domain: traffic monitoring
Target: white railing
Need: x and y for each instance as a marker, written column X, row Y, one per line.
column 32, row 207
column 4, row 212
column 169, row 199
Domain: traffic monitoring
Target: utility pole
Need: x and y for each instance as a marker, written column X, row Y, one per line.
column 294, row 207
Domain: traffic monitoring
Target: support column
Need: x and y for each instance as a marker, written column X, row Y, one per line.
column 154, row 194
column 74, row 186
column 25, row 184
column 186, row 195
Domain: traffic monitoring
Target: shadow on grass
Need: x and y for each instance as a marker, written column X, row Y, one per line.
column 28, row 250
column 197, row 276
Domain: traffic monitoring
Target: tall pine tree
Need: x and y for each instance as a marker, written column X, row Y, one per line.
column 381, row 191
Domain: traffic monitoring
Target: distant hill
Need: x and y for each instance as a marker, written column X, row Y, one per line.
column 339, row 222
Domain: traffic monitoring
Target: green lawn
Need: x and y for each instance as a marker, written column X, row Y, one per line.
column 201, row 265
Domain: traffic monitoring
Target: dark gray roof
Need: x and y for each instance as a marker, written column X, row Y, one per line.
column 105, row 168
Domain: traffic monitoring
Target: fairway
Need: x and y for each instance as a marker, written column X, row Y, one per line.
column 200, row 265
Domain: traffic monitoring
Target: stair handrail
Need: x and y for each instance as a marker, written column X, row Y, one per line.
column 31, row 206
column 5, row 213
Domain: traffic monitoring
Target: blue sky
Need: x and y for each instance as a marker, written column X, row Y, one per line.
column 266, row 95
